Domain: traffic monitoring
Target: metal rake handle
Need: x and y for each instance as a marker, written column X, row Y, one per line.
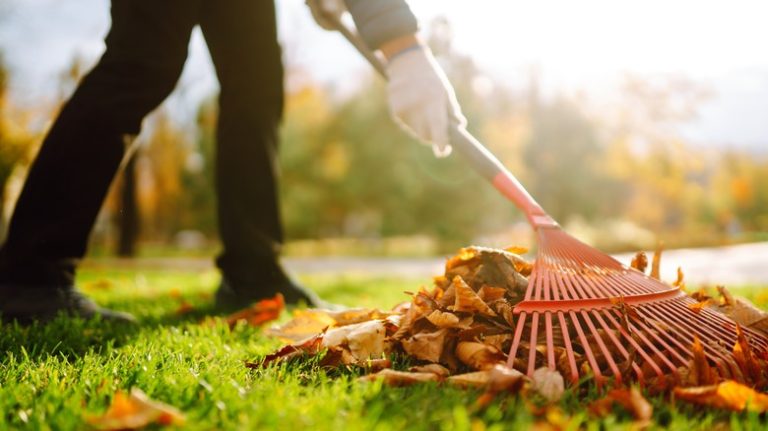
column 473, row 152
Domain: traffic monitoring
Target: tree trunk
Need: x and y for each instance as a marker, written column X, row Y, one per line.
column 128, row 217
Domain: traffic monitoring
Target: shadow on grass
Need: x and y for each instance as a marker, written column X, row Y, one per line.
column 71, row 338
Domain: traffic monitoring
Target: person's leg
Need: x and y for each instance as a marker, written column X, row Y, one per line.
column 242, row 38
column 145, row 52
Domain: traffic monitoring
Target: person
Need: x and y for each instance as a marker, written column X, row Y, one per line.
column 146, row 48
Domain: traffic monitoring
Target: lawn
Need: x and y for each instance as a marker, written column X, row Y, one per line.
column 51, row 376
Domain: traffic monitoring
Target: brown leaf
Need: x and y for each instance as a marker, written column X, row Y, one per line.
column 479, row 356
column 443, row 319
column 135, row 410
column 426, row 346
column 468, row 301
column 743, row 312
column 640, row 261
column 630, row 399
column 745, row 358
column 490, row 293
column 431, row 368
column 476, row 379
column 400, row 378
column 701, row 373
column 548, row 383
column 310, row 346
column 700, row 295
column 696, row 308
column 656, row 264
column 680, row 282
column 726, row 395
column 259, row 313
column 356, row 315
column 305, row 323
column 364, row 340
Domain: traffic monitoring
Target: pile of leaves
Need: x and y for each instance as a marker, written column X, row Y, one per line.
column 458, row 333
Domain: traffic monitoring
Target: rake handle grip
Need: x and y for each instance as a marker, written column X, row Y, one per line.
column 474, row 152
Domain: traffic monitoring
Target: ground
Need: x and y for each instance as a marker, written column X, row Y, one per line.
column 52, row 376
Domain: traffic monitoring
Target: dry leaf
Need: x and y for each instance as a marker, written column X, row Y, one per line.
column 356, row 315
column 364, row 340
column 700, row 372
column 259, row 313
column 656, row 264
column 630, row 399
column 426, row 346
column 726, row 395
column 305, row 323
column 431, row 368
column 548, row 383
column 476, row 379
column 680, row 282
column 490, row 293
column 745, row 358
column 479, row 356
column 467, row 300
column 135, row 411
column 310, row 346
column 443, row 319
column 742, row 311
column 640, row 261
column 696, row 308
column 400, row 378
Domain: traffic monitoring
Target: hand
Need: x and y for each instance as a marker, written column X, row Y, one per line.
column 322, row 10
column 421, row 99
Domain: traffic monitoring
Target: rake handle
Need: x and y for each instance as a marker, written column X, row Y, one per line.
column 473, row 152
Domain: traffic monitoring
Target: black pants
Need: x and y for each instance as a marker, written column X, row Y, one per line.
column 145, row 51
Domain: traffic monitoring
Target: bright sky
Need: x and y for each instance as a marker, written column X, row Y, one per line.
column 585, row 45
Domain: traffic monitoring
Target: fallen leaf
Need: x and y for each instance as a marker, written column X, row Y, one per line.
column 490, row 293
column 310, row 346
column 400, row 378
column 467, row 300
column 729, row 395
column 696, row 307
column 135, row 410
column 656, row 263
column 630, row 399
column 259, row 313
column 305, row 323
column 431, row 368
column 742, row 311
column 475, row 379
column 640, row 261
column 367, row 339
column 356, row 315
column 680, row 282
column 443, row 319
column 426, row 346
column 548, row 383
column 700, row 372
column 746, row 360
column 479, row 356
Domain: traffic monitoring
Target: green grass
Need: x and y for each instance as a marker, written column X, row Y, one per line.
column 52, row 375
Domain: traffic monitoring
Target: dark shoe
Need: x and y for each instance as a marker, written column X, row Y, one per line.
column 234, row 297
column 27, row 304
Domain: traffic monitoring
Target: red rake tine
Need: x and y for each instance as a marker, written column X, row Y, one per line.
column 581, row 286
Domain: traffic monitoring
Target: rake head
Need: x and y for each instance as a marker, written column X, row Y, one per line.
column 585, row 312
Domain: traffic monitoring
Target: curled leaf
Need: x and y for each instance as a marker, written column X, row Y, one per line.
column 656, row 263
column 135, row 410
column 479, row 356
column 305, row 323
column 467, row 300
column 431, row 368
column 443, row 319
column 700, row 372
column 728, row 395
column 640, row 261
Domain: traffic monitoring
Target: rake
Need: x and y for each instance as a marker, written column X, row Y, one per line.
column 582, row 302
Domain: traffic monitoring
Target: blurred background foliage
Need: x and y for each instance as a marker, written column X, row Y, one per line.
column 352, row 182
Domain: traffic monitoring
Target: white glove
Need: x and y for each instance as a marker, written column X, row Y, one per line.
column 421, row 99
column 321, row 9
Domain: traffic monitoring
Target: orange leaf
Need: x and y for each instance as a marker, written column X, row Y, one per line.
column 630, row 399
column 744, row 357
column 701, row 373
column 640, row 261
column 134, row 411
column 259, row 313
column 656, row 264
column 726, row 395
column 696, row 308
